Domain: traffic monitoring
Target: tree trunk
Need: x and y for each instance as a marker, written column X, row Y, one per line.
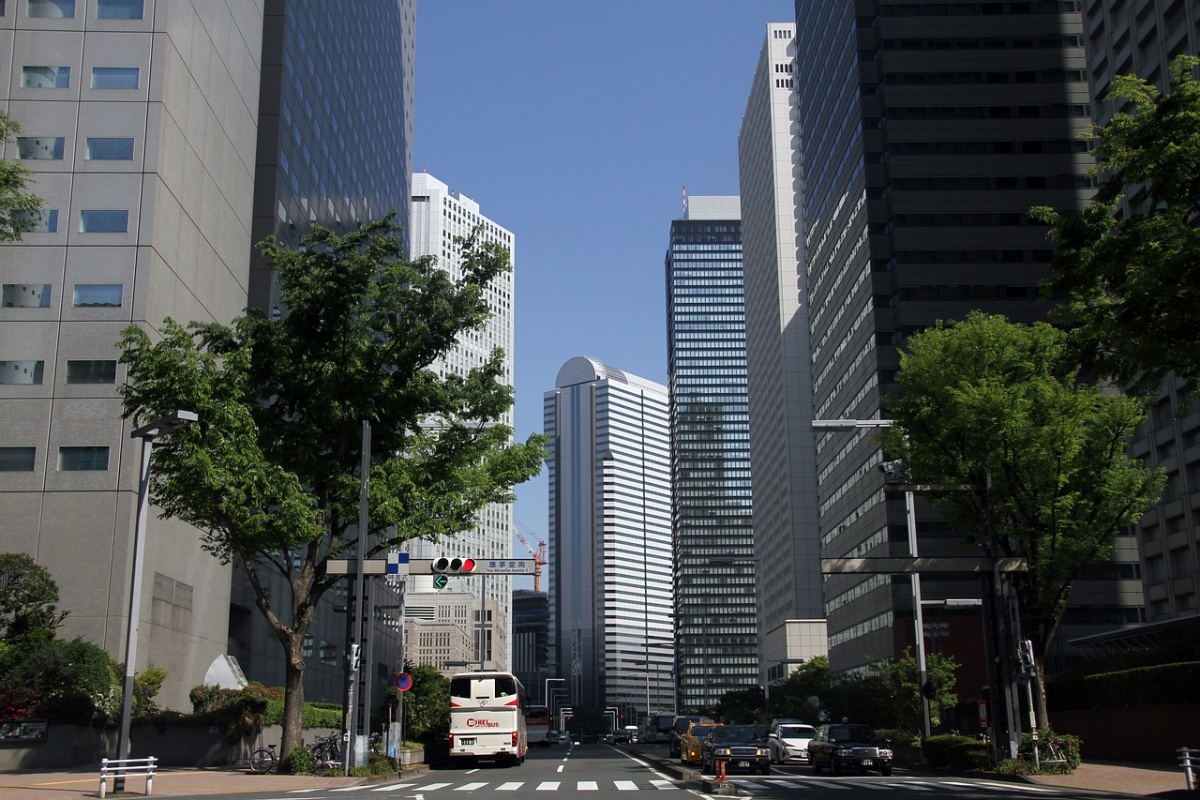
column 1039, row 695
column 293, row 702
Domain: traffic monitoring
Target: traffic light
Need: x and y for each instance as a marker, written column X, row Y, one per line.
column 1026, row 653
column 453, row 566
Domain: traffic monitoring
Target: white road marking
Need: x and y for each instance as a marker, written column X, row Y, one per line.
column 664, row 784
column 470, row 787
column 510, row 786
column 548, row 786
column 393, row 787
column 626, row 786
column 586, row 786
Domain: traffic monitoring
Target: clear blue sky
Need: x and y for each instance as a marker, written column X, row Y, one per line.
column 575, row 124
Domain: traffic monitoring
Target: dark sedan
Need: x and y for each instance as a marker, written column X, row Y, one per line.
column 848, row 747
column 741, row 747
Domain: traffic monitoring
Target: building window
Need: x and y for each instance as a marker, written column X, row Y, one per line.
column 115, row 77
column 41, row 147
column 21, row 373
column 103, row 221
column 120, row 9
column 97, row 295
column 82, row 459
column 98, row 371
column 25, row 295
column 17, row 459
column 110, row 149
column 45, row 222
column 45, row 77
column 52, row 9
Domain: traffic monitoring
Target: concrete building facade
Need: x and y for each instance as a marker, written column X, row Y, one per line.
column 440, row 216
column 787, row 542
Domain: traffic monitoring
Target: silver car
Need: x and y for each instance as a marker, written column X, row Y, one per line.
column 788, row 742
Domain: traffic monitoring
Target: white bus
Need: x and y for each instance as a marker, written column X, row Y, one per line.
column 487, row 717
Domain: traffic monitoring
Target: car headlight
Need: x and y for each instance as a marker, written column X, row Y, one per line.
column 724, row 751
column 763, row 752
column 843, row 751
column 885, row 753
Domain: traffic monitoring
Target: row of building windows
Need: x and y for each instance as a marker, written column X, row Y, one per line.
column 70, row 459
column 972, row 78
column 31, row 373
column 938, row 113
column 84, row 295
column 91, row 220
column 975, row 9
column 46, row 77
column 1048, row 41
column 66, row 9
column 971, row 148
column 53, row 148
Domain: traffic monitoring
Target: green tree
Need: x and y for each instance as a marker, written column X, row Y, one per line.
column 28, row 602
column 426, row 705
column 790, row 697
column 902, row 679
column 19, row 209
column 741, row 706
column 270, row 474
column 1129, row 283
column 1001, row 406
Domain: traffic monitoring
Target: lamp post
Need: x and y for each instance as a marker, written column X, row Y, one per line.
column 910, row 515
column 546, row 689
column 147, row 433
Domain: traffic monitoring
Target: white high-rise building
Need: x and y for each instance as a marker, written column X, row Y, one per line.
column 610, row 561
column 440, row 215
column 787, row 540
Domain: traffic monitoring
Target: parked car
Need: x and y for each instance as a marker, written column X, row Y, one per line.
column 689, row 742
column 849, row 747
column 741, row 747
column 788, row 741
column 678, row 729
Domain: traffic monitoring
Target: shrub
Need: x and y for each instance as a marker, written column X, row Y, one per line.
column 955, row 751
column 1066, row 744
column 238, row 711
column 297, row 762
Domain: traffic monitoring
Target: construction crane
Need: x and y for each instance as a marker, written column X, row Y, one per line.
column 539, row 558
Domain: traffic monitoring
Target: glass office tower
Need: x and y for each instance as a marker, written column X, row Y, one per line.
column 712, row 527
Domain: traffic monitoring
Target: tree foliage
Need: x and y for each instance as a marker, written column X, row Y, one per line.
column 28, row 602
column 270, row 474
column 1000, row 406
column 903, row 690
column 790, row 697
column 426, row 705
column 1127, row 268
column 20, row 209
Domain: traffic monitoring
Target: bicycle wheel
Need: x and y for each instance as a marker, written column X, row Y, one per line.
column 262, row 761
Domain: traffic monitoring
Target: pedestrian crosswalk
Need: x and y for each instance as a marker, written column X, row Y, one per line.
column 753, row 786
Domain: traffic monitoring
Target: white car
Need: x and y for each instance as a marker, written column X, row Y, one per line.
column 788, row 741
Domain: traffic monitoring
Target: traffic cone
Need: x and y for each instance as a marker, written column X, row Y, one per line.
column 720, row 771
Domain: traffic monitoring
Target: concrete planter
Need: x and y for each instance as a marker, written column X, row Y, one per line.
column 408, row 758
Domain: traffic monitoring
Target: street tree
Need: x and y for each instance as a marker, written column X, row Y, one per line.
column 1127, row 267
column 20, row 209
column 904, row 688
column 426, row 706
column 792, row 697
column 1000, row 406
column 28, row 599
column 270, row 473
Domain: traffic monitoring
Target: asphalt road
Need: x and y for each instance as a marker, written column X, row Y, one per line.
column 605, row 772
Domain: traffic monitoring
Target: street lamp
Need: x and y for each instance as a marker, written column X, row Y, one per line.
column 147, row 433
column 892, row 472
column 546, row 689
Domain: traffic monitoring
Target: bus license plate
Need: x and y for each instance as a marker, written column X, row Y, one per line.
column 467, row 741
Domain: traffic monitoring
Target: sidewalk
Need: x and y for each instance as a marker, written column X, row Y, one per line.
column 1143, row 780
column 79, row 783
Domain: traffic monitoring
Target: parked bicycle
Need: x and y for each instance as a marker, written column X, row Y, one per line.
column 327, row 751
column 264, row 760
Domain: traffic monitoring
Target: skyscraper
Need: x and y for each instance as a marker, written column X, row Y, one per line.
column 926, row 138
column 140, row 122
column 609, row 571
column 787, row 541
column 167, row 138
column 1142, row 39
column 712, row 525
column 440, row 215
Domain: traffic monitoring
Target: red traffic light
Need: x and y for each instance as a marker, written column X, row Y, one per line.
column 453, row 566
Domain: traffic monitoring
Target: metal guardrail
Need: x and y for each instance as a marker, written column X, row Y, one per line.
column 119, row 768
column 1189, row 759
